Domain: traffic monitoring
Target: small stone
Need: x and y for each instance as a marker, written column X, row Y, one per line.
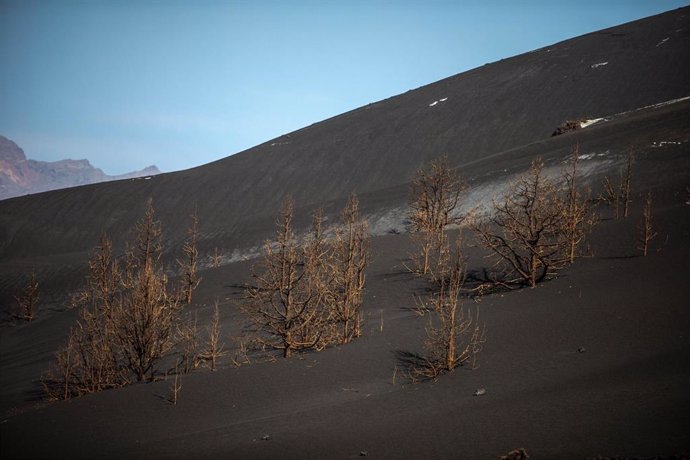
column 363, row 453
column 480, row 392
column 581, row 350
column 266, row 437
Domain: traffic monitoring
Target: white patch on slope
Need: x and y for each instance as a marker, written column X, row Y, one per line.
column 584, row 124
column 663, row 143
column 591, row 156
column 662, row 42
column 594, row 66
column 436, row 102
column 655, row 106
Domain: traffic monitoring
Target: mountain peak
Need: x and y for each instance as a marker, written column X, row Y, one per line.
column 22, row 176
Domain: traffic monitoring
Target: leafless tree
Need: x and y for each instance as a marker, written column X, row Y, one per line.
column 89, row 361
column 319, row 277
column 618, row 195
column 27, row 299
column 188, row 264
column 175, row 388
column 647, row 232
column 454, row 335
column 579, row 217
column 216, row 258
column 214, row 347
column 626, row 183
column 526, row 230
column 611, row 196
column 126, row 318
column 283, row 305
column 349, row 260
column 188, row 340
column 435, row 196
column 145, row 313
column 57, row 383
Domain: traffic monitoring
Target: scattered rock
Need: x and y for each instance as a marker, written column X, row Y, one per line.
column 570, row 125
column 266, row 437
column 581, row 350
column 517, row 454
column 363, row 453
column 480, row 392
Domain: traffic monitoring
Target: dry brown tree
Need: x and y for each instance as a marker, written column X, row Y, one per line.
column 348, row 261
column 216, row 258
column 188, row 341
column 579, row 216
column 319, row 277
column 189, row 262
column 175, row 388
column 126, row 318
column 435, row 196
column 626, row 182
column 526, row 230
column 27, row 299
column 89, row 361
column 145, row 313
column 283, row 305
column 454, row 335
column 618, row 195
column 214, row 346
column 647, row 232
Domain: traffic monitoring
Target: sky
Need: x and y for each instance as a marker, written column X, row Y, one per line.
column 127, row 84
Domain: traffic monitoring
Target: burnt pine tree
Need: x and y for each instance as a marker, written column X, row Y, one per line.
column 126, row 318
column 188, row 263
column 349, row 259
column 435, row 196
column 526, row 230
column 145, row 313
column 453, row 335
column 27, row 299
column 579, row 217
column 283, row 304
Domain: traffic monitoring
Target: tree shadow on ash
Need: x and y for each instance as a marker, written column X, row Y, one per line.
column 413, row 366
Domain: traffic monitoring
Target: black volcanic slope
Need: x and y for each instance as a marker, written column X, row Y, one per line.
column 595, row 362
column 491, row 109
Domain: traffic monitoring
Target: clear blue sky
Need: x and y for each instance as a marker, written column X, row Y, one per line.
column 177, row 84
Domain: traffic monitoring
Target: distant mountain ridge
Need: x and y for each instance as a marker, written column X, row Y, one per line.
column 22, row 176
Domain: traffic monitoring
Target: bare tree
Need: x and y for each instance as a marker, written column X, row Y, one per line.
column 282, row 306
column 579, row 218
column 647, row 232
column 214, row 347
column 454, row 336
column 435, row 196
column 319, row 277
column 89, row 361
column 188, row 264
column 175, row 388
column 216, row 258
column 126, row 318
column 618, row 195
column 57, row 383
column 188, row 339
column 145, row 313
column 626, row 183
column 350, row 257
column 27, row 299
column 612, row 196
column 526, row 230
